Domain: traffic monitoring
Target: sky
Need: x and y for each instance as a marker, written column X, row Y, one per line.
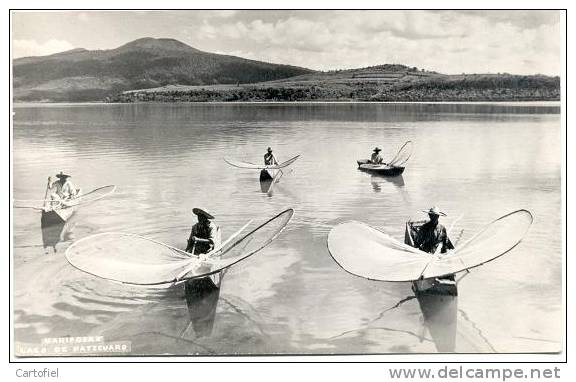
column 451, row 42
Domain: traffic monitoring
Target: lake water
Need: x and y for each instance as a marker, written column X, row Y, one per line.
column 480, row 161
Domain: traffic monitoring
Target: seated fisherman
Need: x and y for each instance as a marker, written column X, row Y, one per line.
column 376, row 158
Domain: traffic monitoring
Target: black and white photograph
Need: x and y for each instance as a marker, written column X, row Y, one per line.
column 193, row 183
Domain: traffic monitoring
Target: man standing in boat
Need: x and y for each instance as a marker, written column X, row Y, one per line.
column 269, row 158
column 63, row 189
column 205, row 235
column 376, row 158
column 431, row 234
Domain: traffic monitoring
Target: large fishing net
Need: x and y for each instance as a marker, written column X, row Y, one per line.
column 367, row 252
column 364, row 251
column 403, row 155
column 491, row 242
column 248, row 165
column 90, row 197
column 134, row 259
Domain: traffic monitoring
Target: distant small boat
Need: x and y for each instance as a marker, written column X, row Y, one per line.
column 382, row 169
column 252, row 166
column 393, row 167
column 267, row 172
column 58, row 212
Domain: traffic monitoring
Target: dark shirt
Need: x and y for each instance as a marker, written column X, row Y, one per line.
column 430, row 235
column 270, row 159
column 209, row 231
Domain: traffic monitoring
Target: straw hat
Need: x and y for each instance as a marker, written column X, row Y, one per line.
column 377, row 149
column 434, row 211
column 200, row 211
column 62, row 175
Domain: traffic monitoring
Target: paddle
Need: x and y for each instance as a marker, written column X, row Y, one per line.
column 439, row 248
column 47, row 190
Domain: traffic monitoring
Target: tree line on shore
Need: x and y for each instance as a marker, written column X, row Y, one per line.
column 444, row 88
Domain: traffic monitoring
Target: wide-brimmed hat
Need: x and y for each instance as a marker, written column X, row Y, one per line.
column 434, row 211
column 200, row 211
column 62, row 175
column 269, row 149
column 377, row 149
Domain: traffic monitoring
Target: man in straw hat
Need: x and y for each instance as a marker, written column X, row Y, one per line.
column 205, row 235
column 269, row 158
column 432, row 233
column 376, row 158
column 62, row 189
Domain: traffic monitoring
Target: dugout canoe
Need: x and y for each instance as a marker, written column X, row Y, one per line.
column 381, row 169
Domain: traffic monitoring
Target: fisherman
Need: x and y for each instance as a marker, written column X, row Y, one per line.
column 205, row 235
column 432, row 233
column 376, row 158
column 62, row 189
column 269, row 158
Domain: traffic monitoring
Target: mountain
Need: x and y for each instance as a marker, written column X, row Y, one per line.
column 92, row 75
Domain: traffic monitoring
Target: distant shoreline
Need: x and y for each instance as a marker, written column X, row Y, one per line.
column 543, row 103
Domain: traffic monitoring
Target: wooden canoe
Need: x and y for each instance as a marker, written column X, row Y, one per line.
column 56, row 216
column 268, row 174
column 382, row 169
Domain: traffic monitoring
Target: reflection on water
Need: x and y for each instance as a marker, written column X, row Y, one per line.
column 56, row 232
column 480, row 160
column 439, row 313
column 201, row 298
column 267, row 187
column 378, row 181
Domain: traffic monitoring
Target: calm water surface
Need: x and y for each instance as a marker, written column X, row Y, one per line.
column 480, row 161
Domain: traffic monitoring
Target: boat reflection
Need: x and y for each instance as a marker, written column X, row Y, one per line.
column 56, row 230
column 440, row 318
column 202, row 297
column 267, row 187
column 378, row 180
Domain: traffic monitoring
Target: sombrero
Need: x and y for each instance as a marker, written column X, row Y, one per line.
column 62, row 175
column 200, row 211
column 434, row 211
column 377, row 149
